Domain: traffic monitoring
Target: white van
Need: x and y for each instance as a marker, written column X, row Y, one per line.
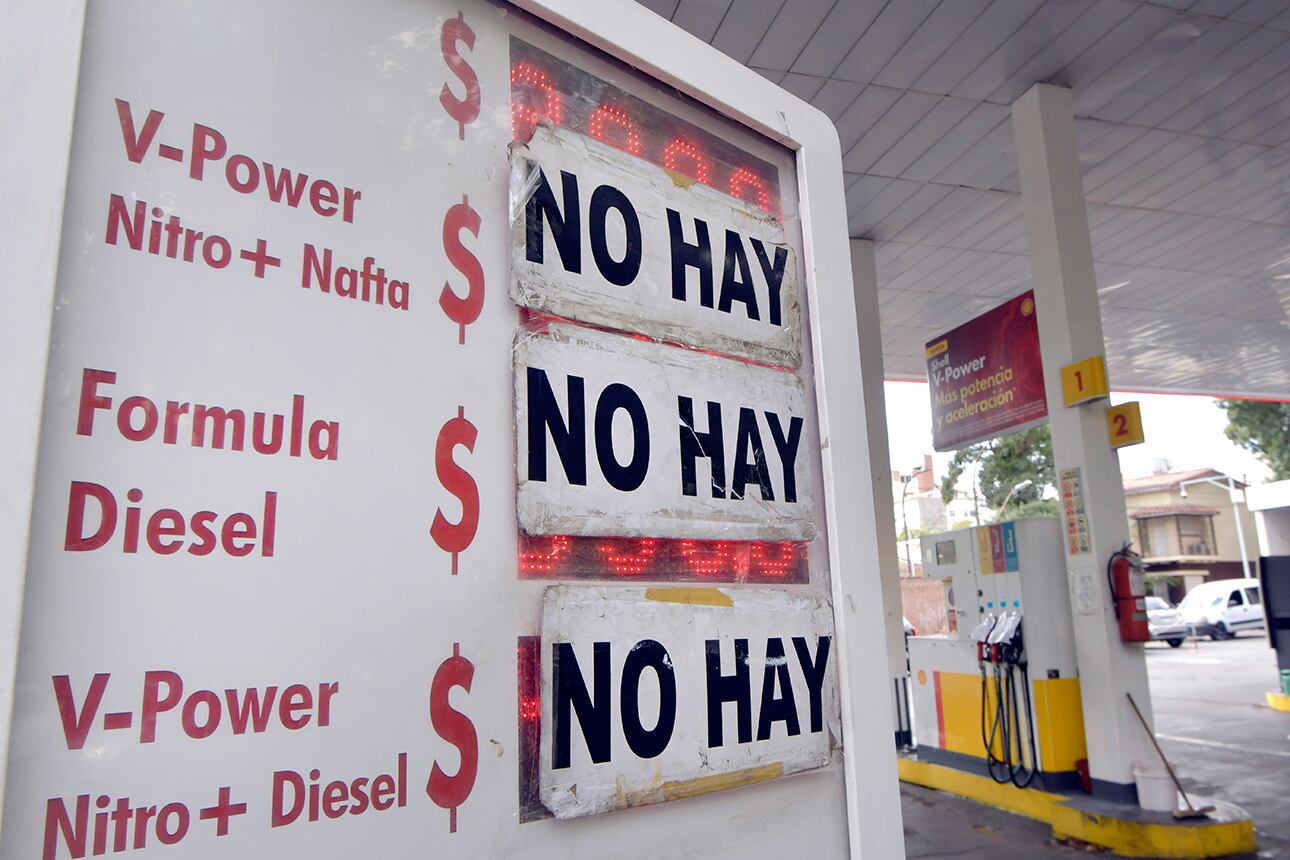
column 1222, row 608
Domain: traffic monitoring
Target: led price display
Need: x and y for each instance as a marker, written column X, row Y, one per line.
column 547, row 89
column 654, row 559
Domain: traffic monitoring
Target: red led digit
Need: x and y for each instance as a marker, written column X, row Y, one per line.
column 530, row 678
column 609, row 116
column 542, row 555
column 773, row 559
column 706, row 558
column 529, row 699
column 682, row 152
column 524, row 114
column 628, row 557
column 744, row 182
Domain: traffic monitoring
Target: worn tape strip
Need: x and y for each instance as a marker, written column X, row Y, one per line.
column 720, row 782
column 696, row 596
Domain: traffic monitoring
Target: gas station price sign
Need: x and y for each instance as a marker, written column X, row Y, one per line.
column 327, row 416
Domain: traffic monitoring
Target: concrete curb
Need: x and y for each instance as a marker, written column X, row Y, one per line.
column 1126, row 830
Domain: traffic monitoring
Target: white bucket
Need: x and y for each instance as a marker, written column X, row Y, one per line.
column 1156, row 790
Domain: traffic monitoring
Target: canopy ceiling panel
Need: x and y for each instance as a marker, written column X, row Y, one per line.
column 1183, row 122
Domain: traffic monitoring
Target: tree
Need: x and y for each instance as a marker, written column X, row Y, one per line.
column 1263, row 429
column 1005, row 462
column 1031, row 508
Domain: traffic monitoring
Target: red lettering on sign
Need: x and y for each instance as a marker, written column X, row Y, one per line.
column 136, row 145
column 456, row 728
column 236, row 537
column 76, row 727
column 465, row 109
column 462, row 310
column 454, row 538
column 293, row 796
column 169, row 825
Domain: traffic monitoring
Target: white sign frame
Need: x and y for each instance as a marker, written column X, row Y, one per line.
column 44, row 42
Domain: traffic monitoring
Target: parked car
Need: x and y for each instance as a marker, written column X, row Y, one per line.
column 1224, row 607
column 1165, row 622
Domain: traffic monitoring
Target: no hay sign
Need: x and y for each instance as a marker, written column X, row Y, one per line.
column 658, row 694
column 620, row 436
column 606, row 238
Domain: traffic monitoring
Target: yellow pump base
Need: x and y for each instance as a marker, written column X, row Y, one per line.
column 1278, row 701
column 1126, row 831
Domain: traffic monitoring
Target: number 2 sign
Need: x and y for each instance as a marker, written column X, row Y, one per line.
column 1124, row 424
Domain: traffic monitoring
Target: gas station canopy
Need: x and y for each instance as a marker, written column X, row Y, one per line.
column 1183, row 132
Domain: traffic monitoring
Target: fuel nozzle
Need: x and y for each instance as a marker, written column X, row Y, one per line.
column 981, row 635
column 1007, row 640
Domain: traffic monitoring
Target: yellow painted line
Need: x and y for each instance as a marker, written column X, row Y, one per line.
column 1278, row 701
column 1126, row 838
column 696, row 596
column 678, row 789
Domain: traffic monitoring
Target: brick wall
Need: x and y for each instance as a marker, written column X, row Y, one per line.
column 923, row 601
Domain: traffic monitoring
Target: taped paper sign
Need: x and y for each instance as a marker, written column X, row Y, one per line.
column 618, row 436
column 602, row 237
column 663, row 693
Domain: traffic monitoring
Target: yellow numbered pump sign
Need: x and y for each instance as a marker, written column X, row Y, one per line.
column 434, row 449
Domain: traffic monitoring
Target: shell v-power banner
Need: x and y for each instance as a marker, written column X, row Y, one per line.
column 986, row 378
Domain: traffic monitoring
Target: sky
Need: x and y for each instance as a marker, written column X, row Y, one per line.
column 1186, row 430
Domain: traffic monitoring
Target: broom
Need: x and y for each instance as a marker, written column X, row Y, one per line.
column 1190, row 811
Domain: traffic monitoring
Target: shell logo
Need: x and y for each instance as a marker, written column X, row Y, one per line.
column 1027, row 307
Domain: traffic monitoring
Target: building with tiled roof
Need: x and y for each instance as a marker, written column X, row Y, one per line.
column 1168, row 480
column 1185, row 525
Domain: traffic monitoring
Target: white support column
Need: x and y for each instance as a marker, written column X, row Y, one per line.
column 864, row 275
column 1070, row 329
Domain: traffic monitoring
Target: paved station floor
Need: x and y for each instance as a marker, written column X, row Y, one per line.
column 1214, row 724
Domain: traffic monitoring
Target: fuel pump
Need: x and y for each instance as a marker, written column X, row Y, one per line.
column 986, row 698
column 1128, row 592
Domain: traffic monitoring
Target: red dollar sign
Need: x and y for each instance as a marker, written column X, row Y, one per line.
column 455, row 537
column 462, row 311
column 452, row 725
column 465, row 110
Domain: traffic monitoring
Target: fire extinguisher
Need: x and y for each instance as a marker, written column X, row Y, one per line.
column 1129, row 591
